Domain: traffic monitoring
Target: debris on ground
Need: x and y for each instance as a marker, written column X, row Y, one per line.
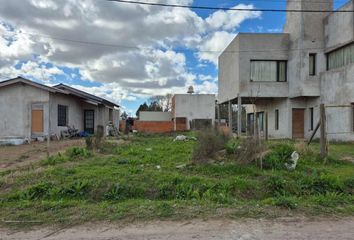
column 123, row 161
column 184, row 138
column 181, row 166
column 293, row 161
column 158, row 167
column 148, row 149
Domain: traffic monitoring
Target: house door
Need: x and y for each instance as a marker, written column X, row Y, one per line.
column 298, row 123
column 89, row 121
column 37, row 121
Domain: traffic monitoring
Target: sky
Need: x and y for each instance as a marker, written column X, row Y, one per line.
column 125, row 52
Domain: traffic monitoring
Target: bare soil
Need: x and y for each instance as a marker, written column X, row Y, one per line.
column 17, row 156
column 243, row 229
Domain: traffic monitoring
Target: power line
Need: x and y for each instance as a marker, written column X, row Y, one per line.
column 230, row 9
column 150, row 48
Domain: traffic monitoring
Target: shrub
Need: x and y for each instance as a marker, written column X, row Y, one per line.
column 320, row 184
column 276, row 186
column 349, row 185
column 286, row 202
column 55, row 159
column 78, row 152
column 210, row 141
column 250, row 150
column 75, row 189
column 38, row 191
column 278, row 156
column 232, row 146
column 89, row 143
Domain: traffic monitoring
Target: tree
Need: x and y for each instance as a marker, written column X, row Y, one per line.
column 124, row 115
column 142, row 107
column 165, row 102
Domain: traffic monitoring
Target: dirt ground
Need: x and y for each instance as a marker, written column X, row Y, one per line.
column 15, row 156
column 279, row 229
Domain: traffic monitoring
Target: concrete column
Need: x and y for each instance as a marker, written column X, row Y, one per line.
column 239, row 115
column 230, row 116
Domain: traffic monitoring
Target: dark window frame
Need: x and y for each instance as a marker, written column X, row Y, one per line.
column 278, row 72
column 276, row 119
column 62, row 115
column 311, row 118
column 313, row 71
column 352, row 116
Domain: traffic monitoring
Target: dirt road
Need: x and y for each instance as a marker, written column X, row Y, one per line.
column 280, row 229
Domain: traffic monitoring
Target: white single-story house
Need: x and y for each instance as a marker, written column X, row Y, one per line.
column 29, row 110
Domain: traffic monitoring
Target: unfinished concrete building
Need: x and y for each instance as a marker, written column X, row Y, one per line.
column 288, row 75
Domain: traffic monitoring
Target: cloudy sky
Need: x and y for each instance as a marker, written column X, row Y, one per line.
column 124, row 52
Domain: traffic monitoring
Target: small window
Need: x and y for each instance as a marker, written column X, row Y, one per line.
column 311, row 119
column 62, row 115
column 281, row 71
column 353, row 117
column 312, row 64
column 110, row 115
column 276, row 119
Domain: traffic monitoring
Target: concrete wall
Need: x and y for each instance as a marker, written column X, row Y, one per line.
column 339, row 28
column 235, row 66
column 194, row 106
column 75, row 112
column 337, row 88
column 155, row 116
column 15, row 110
column 229, row 82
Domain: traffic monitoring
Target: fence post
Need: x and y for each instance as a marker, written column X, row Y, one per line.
column 323, row 139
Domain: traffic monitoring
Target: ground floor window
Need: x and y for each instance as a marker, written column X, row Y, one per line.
column 353, row 117
column 311, row 119
column 62, row 115
column 276, row 119
column 260, row 121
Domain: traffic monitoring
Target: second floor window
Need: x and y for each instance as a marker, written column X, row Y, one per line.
column 268, row 71
column 312, row 64
column 340, row 57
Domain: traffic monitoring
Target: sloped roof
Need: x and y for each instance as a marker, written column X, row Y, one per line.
column 60, row 88
column 31, row 83
column 83, row 94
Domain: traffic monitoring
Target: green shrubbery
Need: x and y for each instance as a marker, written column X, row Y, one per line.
column 210, row 141
column 277, row 157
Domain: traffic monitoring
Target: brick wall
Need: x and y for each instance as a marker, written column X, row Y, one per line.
column 157, row 127
column 153, row 127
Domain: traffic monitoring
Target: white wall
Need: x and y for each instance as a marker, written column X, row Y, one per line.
column 155, row 116
column 15, row 109
column 195, row 106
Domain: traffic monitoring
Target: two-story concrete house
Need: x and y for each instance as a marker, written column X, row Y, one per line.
column 288, row 75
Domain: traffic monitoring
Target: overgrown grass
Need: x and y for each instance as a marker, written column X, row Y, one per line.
column 153, row 177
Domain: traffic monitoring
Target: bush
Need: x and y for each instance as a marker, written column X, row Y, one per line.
column 286, row 202
column 278, row 156
column 210, row 141
column 89, row 143
column 321, row 184
column 232, row 146
column 78, row 152
column 250, row 150
column 55, row 159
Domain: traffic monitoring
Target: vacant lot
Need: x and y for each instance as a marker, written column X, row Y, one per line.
column 15, row 156
column 151, row 177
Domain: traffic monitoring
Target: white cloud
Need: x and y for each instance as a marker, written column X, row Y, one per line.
column 155, row 67
column 229, row 20
column 212, row 47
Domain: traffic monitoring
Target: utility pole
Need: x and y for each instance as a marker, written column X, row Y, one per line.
column 323, row 138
